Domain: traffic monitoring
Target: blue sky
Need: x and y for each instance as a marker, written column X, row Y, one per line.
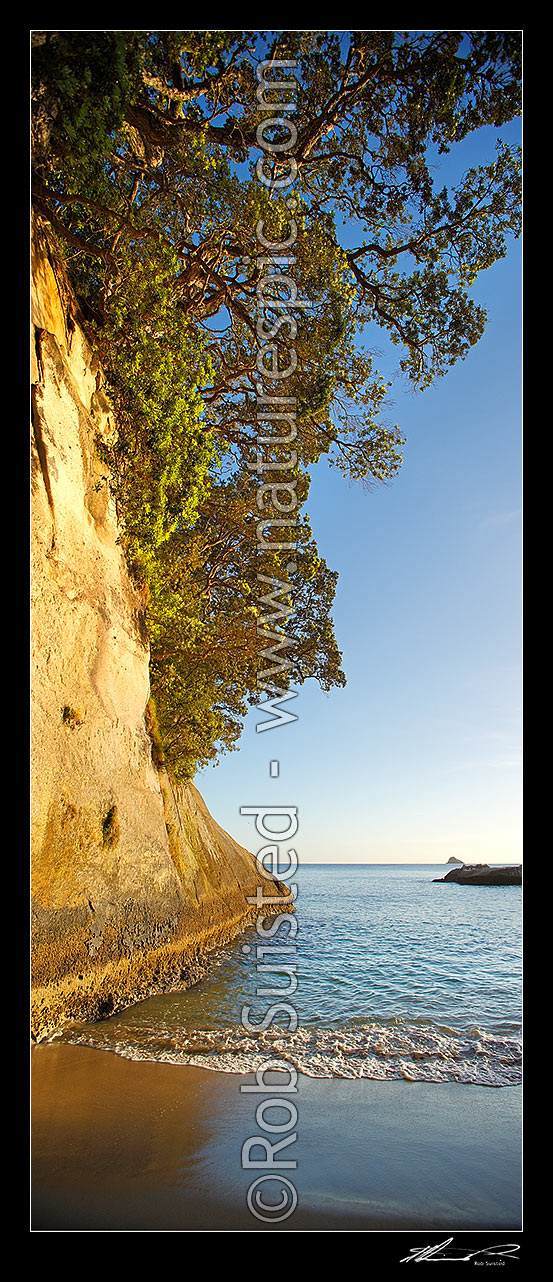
column 418, row 758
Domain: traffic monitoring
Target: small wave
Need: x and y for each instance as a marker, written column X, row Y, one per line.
column 414, row 1051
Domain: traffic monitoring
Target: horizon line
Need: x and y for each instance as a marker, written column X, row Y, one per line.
column 367, row 863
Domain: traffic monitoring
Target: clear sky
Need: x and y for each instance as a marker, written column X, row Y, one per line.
column 418, row 758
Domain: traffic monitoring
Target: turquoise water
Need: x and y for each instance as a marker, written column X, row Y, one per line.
column 389, row 975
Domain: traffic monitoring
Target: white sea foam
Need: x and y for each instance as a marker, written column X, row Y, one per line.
column 382, row 1052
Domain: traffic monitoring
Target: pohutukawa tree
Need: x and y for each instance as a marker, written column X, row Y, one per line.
column 146, row 150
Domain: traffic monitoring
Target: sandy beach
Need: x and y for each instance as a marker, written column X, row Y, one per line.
column 125, row 1146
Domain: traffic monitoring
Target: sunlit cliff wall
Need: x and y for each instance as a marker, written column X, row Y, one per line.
column 133, row 882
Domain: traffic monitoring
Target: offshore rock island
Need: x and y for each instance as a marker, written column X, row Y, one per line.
column 484, row 875
column 133, row 882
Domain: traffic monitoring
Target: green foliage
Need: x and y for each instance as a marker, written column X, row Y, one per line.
column 144, row 153
column 156, row 367
column 212, row 620
column 72, row 717
column 81, row 89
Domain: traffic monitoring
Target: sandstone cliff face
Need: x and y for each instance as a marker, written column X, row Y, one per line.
column 132, row 880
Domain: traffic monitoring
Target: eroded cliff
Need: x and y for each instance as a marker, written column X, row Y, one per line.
column 133, row 882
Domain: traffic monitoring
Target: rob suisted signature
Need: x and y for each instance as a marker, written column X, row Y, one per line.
column 445, row 1251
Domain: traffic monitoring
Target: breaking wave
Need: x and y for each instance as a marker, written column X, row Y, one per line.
column 365, row 1048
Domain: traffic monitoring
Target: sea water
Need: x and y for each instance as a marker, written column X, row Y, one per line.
column 389, row 975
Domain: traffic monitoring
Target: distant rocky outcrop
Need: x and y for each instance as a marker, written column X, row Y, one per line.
column 132, row 881
column 484, row 875
column 454, row 860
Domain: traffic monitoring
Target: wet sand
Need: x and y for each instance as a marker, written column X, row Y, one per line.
column 123, row 1146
